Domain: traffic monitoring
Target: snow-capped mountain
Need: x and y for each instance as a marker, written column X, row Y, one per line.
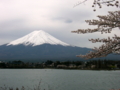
column 40, row 46
column 38, row 37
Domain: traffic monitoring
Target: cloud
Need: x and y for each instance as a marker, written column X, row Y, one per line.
column 12, row 24
column 68, row 21
column 62, row 19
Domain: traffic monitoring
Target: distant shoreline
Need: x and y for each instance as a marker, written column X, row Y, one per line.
column 67, row 65
column 66, row 69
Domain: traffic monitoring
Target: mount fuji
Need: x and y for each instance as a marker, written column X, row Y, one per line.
column 40, row 46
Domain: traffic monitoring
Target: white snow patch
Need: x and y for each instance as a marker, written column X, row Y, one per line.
column 37, row 37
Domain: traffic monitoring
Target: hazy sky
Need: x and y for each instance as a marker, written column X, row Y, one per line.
column 57, row 17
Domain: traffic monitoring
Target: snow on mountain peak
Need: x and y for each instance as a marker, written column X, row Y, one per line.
column 37, row 37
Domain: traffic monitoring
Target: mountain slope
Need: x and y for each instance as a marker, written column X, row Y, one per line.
column 40, row 52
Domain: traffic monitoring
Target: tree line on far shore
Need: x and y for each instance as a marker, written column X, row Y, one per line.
column 91, row 64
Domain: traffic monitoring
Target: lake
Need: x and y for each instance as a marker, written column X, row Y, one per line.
column 58, row 79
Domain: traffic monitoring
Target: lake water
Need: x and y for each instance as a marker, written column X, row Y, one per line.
column 58, row 79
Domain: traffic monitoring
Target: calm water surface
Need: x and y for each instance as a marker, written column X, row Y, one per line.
column 55, row 79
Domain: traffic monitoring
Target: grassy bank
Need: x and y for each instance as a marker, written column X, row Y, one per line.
column 36, row 87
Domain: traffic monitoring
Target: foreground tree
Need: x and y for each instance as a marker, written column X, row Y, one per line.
column 105, row 24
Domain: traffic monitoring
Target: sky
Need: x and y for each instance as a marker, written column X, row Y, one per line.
column 56, row 17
